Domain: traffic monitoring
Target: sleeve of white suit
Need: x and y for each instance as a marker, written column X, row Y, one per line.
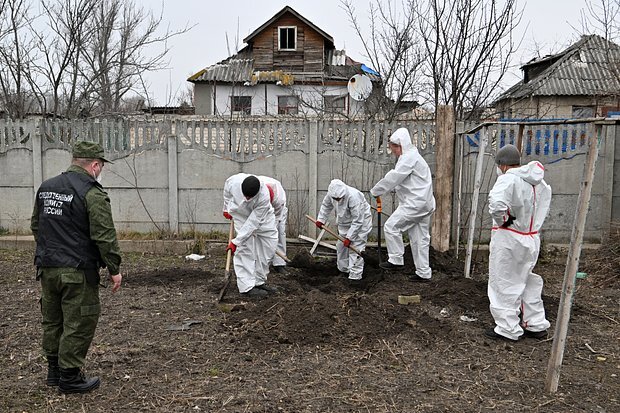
column 357, row 212
column 393, row 178
column 256, row 218
column 326, row 208
column 499, row 199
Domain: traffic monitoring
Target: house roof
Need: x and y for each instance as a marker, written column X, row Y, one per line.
column 238, row 69
column 583, row 69
column 279, row 14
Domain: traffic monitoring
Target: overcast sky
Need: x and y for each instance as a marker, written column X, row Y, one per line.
column 547, row 26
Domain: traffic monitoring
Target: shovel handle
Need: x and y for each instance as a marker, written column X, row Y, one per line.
column 231, row 232
column 379, row 204
column 335, row 234
column 283, row 256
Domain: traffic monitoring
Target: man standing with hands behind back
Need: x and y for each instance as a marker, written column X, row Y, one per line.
column 75, row 235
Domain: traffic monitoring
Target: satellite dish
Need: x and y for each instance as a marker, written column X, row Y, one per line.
column 359, row 87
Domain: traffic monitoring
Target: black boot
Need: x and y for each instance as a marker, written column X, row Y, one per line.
column 74, row 381
column 53, row 371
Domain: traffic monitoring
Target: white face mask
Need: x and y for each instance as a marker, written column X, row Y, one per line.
column 498, row 171
column 99, row 178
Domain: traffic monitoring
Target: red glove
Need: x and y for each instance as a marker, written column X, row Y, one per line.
column 319, row 224
column 227, row 215
column 232, row 247
column 346, row 242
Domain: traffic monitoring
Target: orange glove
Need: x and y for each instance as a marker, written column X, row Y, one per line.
column 232, row 247
column 227, row 215
column 319, row 224
column 346, row 242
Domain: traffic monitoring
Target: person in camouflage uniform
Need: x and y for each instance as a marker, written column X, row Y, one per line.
column 75, row 236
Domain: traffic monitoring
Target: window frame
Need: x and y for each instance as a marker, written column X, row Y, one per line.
column 241, row 109
column 294, row 28
column 330, row 108
column 582, row 108
column 285, row 109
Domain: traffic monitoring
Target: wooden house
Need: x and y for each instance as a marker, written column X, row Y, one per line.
column 581, row 81
column 289, row 66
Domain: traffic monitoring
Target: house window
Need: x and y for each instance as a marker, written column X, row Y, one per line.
column 241, row 104
column 287, row 38
column 335, row 104
column 581, row 112
column 288, row 105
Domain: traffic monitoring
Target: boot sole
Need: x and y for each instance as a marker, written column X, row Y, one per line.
column 85, row 390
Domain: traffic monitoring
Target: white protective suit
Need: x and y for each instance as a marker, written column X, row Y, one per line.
column 256, row 235
column 278, row 202
column 411, row 178
column 513, row 251
column 354, row 223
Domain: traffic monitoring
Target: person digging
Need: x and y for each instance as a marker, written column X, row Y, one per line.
column 354, row 224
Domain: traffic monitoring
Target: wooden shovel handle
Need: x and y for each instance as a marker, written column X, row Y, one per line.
column 231, row 232
column 282, row 255
column 335, row 234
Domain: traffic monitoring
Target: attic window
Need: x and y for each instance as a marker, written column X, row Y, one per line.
column 287, row 38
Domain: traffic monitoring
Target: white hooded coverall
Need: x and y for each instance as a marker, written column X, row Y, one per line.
column 513, row 251
column 354, row 223
column 278, row 202
column 412, row 180
column 256, row 235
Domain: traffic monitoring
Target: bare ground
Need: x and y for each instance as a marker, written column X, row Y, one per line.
column 163, row 344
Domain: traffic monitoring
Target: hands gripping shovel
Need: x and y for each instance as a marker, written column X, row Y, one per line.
column 367, row 258
column 228, row 259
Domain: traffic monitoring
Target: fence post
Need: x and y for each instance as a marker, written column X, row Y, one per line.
column 173, row 185
column 474, row 200
column 37, row 158
column 608, row 160
column 444, row 175
column 552, row 379
column 313, row 173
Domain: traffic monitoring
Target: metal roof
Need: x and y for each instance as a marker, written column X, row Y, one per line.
column 583, row 69
column 231, row 70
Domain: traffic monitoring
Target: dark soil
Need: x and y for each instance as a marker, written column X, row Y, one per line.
column 321, row 345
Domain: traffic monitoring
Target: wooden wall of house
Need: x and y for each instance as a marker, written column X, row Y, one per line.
column 307, row 58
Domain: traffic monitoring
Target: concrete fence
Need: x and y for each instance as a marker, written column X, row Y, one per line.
column 168, row 175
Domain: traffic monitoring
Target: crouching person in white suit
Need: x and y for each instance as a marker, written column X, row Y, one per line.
column 247, row 203
column 354, row 225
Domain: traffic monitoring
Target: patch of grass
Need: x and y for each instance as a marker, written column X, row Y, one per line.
column 4, row 231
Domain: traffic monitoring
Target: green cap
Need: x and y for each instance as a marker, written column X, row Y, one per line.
column 89, row 150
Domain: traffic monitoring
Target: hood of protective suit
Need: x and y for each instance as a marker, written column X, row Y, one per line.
column 337, row 189
column 401, row 137
column 532, row 173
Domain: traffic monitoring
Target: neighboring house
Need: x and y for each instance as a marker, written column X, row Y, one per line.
column 582, row 81
column 288, row 67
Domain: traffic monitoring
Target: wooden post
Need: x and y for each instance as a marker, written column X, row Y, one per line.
column 474, row 200
column 444, row 175
column 572, row 263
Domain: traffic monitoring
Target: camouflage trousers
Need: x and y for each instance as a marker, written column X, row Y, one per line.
column 70, row 308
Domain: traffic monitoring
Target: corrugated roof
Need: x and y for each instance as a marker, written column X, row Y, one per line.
column 585, row 68
column 230, row 70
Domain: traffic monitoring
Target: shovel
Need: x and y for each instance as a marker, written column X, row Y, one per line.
column 228, row 259
column 370, row 260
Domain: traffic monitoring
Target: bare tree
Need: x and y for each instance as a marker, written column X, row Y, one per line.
column 469, row 45
column 392, row 46
column 115, row 54
column 451, row 52
column 16, row 46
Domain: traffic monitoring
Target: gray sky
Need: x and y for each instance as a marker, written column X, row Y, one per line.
column 547, row 27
